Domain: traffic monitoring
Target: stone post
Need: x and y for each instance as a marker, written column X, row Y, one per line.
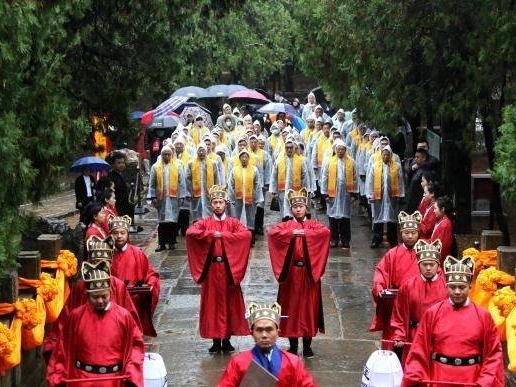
column 32, row 367
column 506, row 259
column 49, row 246
column 9, row 294
column 491, row 239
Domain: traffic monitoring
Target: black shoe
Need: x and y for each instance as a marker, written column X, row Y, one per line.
column 293, row 350
column 345, row 245
column 308, row 353
column 160, row 248
column 215, row 348
column 227, row 347
column 334, row 244
column 375, row 245
column 171, row 246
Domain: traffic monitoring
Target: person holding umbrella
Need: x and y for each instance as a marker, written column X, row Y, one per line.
column 84, row 190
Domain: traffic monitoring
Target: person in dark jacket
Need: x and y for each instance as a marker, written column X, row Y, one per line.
column 123, row 206
column 84, row 190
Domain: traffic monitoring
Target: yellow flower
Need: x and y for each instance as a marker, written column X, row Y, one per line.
column 6, row 341
column 471, row 252
column 27, row 311
column 49, row 287
column 67, row 262
column 505, row 300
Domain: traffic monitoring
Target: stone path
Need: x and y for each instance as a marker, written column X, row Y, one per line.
column 340, row 353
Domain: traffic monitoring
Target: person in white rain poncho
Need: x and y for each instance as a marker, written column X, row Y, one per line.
column 167, row 191
column 309, row 108
column 339, row 178
column 264, row 165
column 245, row 190
column 289, row 172
column 339, row 122
column 201, row 174
column 384, row 189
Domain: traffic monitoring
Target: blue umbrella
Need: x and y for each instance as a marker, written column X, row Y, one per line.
column 93, row 163
column 298, row 123
column 136, row 115
column 190, row 91
column 276, row 107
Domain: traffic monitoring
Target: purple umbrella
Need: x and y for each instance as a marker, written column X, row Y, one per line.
column 276, row 107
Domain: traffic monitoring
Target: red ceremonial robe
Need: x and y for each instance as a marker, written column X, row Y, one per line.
column 415, row 296
column 427, row 223
column 100, row 340
column 462, row 332
column 397, row 265
column 443, row 230
column 79, row 296
column 95, row 229
column 423, row 206
column 132, row 266
column 298, row 264
column 292, row 374
column 222, row 311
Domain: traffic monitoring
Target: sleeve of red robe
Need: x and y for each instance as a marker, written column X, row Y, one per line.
column 279, row 239
column 237, row 245
column 445, row 234
column 428, row 223
column 198, row 244
column 134, row 352
column 317, row 237
column 400, row 314
column 492, row 371
column 417, row 366
column 233, row 374
column 152, row 279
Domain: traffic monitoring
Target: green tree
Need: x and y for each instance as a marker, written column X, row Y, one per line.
column 430, row 61
column 505, row 167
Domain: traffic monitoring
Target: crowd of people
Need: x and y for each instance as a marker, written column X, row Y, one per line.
column 210, row 187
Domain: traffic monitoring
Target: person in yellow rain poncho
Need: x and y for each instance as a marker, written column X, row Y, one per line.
column 289, row 172
column 245, row 190
column 198, row 130
column 201, row 175
column 167, row 190
column 338, row 180
column 384, row 189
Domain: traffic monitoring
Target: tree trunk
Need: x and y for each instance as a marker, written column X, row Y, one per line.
column 456, row 173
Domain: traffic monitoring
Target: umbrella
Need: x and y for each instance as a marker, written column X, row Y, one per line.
column 190, row 91
column 136, row 115
column 222, row 91
column 265, row 94
column 164, row 122
column 169, row 105
column 298, row 123
column 234, row 88
column 147, row 117
column 191, row 104
column 93, row 163
column 276, row 107
column 194, row 111
column 249, row 96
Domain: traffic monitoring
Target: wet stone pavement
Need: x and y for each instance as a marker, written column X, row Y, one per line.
column 340, row 353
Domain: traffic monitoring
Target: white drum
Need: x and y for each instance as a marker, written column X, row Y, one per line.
column 383, row 369
column 154, row 371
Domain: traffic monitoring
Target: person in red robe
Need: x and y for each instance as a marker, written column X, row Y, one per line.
column 95, row 218
column 430, row 194
column 132, row 266
column 100, row 340
column 456, row 340
column 396, row 266
column 108, row 200
column 98, row 250
column 299, row 251
column 417, row 294
column 218, row 252
column 286, row 367
column 443, row 230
